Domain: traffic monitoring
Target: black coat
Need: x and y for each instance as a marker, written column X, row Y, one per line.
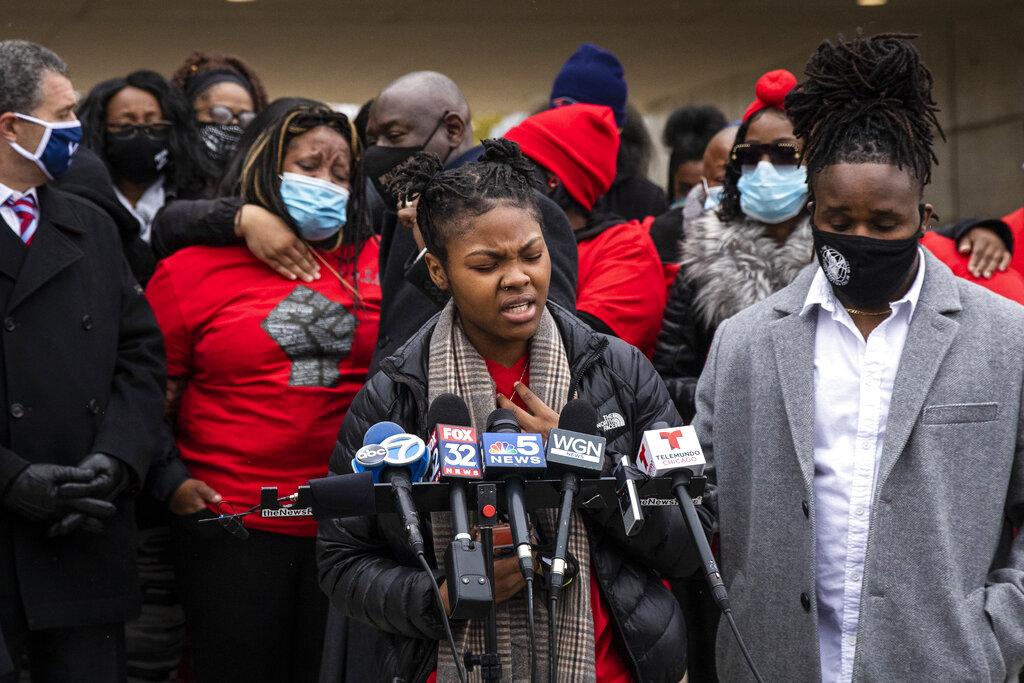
column 370, row 575
column 683, row 345
column 633, row 197
column 83, row 371
column 89, row 178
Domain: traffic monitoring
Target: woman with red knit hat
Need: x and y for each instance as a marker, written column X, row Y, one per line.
column 620, row 289
column 753, row 245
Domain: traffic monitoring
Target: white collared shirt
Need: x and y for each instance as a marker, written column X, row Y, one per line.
column 8, row 213
column 151, row 201
column 853, row 382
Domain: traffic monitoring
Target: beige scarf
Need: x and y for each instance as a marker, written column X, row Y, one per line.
column 456, row 367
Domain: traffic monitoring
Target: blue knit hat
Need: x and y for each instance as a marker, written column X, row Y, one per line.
column 591, row 75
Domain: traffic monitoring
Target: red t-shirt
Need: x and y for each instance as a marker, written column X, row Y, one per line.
column 1008, row 283
column 505, row 378
column 270, row 366
column 622, row 283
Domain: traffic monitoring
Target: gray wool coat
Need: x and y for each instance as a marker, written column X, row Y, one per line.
column 943, row 596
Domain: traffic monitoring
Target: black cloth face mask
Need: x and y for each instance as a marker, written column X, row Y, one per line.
column 138, row 158
column 865, row 271
column 379, row 162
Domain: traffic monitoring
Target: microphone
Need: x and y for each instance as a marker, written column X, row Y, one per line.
column 370, row 457
column 513, row 456
column 344, row 495
column 629, row 497
column 675, row 452
column 573, row 451
column 454, row 454
column 455, row 458
column 405, row 461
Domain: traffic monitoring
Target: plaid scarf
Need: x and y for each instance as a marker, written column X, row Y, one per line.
column 456, row 367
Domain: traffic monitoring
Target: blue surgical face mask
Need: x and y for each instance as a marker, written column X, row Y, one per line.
column 55, row 149
column 319, row 208
column 712, row 195
column 772, row 194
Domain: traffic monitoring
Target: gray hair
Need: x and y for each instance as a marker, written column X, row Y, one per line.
column 22, row 65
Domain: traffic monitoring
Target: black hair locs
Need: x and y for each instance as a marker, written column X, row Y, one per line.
column 867, row 100
column 448, row 197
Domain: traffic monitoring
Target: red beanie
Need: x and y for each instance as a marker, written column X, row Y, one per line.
column 579, row 143
column 771, row 91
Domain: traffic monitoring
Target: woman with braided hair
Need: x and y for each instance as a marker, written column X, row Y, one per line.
column 500, row 343
column 865, row 422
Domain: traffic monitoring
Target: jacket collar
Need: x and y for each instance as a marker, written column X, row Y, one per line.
column 932, row 330
column 51, row 251
column 733, row 265
column 408, row 364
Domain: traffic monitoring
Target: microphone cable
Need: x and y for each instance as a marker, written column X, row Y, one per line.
column 714, row 578
column 530, row 629
column 552, row 639
column 444, row 617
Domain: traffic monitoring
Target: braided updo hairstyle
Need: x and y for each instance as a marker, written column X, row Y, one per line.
column 867, row 100
column 448, row 199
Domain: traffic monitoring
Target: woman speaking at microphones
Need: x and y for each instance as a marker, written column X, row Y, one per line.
column 499, row 343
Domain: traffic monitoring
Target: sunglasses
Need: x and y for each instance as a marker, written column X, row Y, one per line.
column 223, row 115
column 157, row 130
column 779, row 153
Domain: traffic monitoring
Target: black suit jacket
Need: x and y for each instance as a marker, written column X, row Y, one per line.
column 82, row 366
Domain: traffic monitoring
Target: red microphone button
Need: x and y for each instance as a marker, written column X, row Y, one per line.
column 489, row 511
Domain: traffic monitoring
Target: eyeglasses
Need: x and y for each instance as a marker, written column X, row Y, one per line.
column 779, row 153
column 223, row 115
column 156, row 130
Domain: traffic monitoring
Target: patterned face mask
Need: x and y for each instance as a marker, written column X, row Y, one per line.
column 221, row 140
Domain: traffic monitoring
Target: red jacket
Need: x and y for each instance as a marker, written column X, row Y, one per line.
column 1015, row 220
column 1009, row 283
column 621, row 281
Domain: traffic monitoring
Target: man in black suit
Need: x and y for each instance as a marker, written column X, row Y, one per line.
column 81, row 389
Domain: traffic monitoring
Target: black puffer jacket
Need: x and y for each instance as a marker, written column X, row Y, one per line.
column 370, row 575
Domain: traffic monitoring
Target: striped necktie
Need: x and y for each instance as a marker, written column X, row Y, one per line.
column 28, row 216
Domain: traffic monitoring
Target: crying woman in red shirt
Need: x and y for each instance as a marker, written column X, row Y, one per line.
column 261, row 373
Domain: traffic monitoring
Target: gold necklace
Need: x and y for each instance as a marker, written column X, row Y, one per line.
column 344, row 283
column 856, row 311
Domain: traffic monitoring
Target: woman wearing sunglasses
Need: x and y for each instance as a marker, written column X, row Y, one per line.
column 751, row 246
column 143, row 131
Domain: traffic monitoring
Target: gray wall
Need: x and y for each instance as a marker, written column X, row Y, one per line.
column 505, row 54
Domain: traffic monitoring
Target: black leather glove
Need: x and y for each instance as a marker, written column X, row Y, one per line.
column 34, row 495
column 111, row 477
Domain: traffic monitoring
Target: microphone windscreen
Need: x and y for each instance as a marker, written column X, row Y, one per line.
column 344, row 495
column 448, row 409
column 579, row 416
column 381, row 431
column 502, row 420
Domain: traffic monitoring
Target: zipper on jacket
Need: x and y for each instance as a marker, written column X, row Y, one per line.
column 585, row 365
